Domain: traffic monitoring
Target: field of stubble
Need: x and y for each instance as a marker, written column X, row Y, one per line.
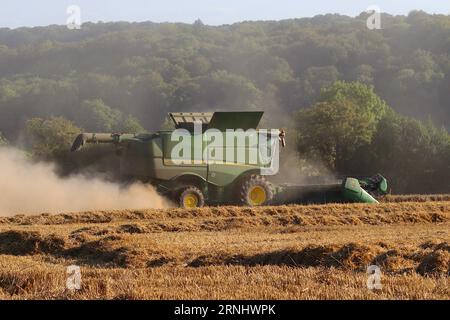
column 285, row 252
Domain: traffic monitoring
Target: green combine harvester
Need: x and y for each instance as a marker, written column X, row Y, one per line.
column 222, row 158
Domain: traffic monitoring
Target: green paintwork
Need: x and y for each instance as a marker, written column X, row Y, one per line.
column 220, row 120
column 348, row 190
column 235, row 120
column 352, row 191
column 383, row 187
column 149, row 158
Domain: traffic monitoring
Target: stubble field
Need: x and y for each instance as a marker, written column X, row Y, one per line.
column 283, row 252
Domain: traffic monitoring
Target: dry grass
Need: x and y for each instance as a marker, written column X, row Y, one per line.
column 416, row 198
column 286, row 252
column 218, row 218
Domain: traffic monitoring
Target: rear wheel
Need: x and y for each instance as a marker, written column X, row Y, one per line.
column 256, row 191
column 191, row 197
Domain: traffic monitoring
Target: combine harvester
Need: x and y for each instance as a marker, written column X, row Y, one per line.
column 184, row 163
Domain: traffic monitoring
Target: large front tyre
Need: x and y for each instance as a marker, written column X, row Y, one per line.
column 255, row 191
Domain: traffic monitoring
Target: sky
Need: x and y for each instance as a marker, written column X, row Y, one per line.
column 30, row 13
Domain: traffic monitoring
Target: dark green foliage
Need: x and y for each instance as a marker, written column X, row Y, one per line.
column 148, row 69
column 127, row 76
column 415, row 154
column 131, row 125
column 360, row 95
column 353, row 132
column 3, row 140
column 52, row 137
column 96, row 116
column 332, row 133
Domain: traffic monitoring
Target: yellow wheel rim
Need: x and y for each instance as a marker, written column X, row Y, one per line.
column 257, row 196
column 190, row 201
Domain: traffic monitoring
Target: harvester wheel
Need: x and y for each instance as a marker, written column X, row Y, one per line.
column 191, row 197
column 256, row 191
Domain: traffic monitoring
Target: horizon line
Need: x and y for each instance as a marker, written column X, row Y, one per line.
column 223, row 24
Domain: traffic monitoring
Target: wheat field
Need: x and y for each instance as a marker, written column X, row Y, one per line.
column 282, row 252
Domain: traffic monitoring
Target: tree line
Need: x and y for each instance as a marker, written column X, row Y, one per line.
column 363, row 100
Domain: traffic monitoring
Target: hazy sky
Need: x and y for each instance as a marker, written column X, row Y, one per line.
column 16, row 13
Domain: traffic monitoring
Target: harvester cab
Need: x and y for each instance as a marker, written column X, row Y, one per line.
column 220, row 158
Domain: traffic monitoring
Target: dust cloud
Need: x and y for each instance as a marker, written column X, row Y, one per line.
column 29, row 188
column 302, row 172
